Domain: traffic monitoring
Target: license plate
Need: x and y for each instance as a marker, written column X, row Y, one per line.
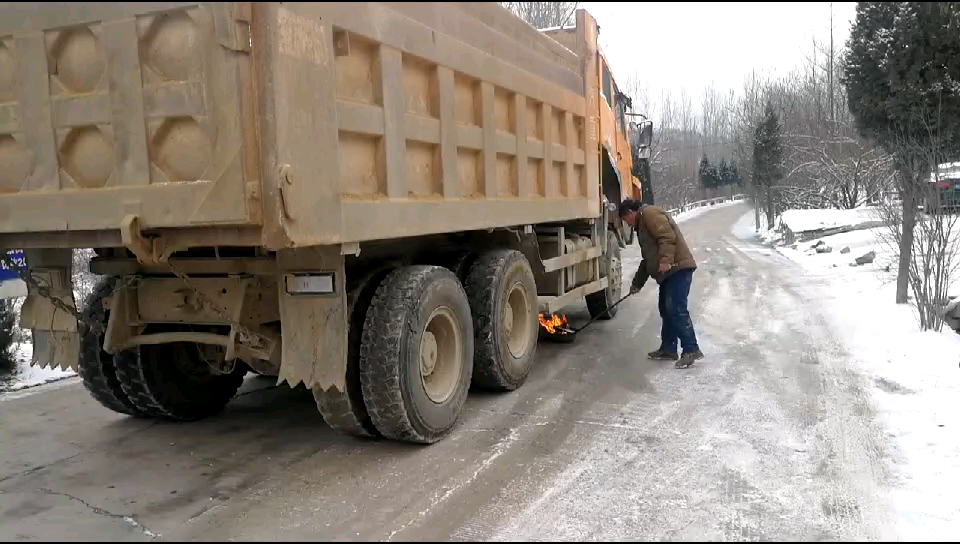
column 957, row 186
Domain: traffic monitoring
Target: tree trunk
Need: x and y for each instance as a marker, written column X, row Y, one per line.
column 769, row 207
column 909, row 220
column 756, row 207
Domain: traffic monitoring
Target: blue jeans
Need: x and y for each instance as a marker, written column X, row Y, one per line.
column 677, row 325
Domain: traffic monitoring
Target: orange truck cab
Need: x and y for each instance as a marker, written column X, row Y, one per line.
column 624, row 144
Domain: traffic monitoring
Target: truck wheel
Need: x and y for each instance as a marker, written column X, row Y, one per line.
column 96, row 367
column 172, row 381
column 416, row 354
column 610, row 267
column 344, row 411
column 457, row 262
column 503, row 300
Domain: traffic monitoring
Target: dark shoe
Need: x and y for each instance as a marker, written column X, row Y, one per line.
column 663, row 355
column 687, row 359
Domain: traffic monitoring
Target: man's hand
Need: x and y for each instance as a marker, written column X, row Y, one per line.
column 664, row 268
column 640, row 278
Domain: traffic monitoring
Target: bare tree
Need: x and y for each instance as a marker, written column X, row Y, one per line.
column 842, row 172
column 933, row 259
column 932, row 237
column 827, row 164
column 639, row 92
column 745, row 114
column 677, row 154
column 544, row 14
column 84, row 281
column 933, row 264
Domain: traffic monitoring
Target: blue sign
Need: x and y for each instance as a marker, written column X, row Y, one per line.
column 15, row 255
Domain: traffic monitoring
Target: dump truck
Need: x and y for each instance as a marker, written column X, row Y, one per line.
column 374, row 201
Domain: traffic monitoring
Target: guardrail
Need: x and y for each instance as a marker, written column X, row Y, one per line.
column 703, row 203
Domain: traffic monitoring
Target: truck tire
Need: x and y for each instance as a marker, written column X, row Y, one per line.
column 171, row 381
column 416, row 354
column 459, row 263
column 96, row 367
column 610, row 267
column 344, row 411
column 503, row 301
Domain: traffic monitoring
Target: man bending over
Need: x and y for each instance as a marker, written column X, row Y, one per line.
column 666, row 259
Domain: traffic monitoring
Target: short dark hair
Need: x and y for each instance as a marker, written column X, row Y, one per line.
column 629, row 205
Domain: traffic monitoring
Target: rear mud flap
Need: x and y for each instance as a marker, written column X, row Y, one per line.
column 56, row 340
column 314, row 325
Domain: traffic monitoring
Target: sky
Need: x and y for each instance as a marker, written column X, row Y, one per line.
column 688, row 45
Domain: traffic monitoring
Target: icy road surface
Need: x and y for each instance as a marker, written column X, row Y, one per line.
column 771, row 437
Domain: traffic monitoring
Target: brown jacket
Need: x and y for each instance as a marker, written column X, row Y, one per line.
column 661, row 242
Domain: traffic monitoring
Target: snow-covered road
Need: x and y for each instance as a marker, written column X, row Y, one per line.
column 915, row 374
column 774, row 436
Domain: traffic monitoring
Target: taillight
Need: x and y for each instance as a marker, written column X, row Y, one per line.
column 943, row 185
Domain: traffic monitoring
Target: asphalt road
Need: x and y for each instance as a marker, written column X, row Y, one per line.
column 770, row 437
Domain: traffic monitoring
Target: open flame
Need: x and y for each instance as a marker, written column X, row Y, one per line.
column 554, row 323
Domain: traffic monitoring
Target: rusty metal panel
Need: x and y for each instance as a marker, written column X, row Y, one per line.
column 110, row 109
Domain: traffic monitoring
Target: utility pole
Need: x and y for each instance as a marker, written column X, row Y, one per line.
column 832, row 117
column 753, row 169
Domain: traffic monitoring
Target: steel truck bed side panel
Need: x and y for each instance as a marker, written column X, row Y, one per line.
column 113, row 109
column 387, row 120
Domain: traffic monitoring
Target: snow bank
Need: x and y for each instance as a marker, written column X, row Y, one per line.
column 915, row 373
column 25, row 376
column 808, row 220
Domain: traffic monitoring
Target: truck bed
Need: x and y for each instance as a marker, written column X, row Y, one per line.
column 318, row 123
column 111, row 109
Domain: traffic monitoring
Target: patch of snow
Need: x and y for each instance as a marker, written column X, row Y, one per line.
column 915, row 372
column 25, row 376
column 746, row 228
column 806, row 220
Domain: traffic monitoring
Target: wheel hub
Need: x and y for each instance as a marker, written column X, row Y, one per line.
column 517, row 330
column 441, row 360
column 428, row 353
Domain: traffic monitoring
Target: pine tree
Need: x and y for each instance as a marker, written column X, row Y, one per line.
column 723, row 174
column 767, row 161
column 704, row 172
column 735, row 174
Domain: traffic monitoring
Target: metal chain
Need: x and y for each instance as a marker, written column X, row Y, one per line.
column 251, row 338
column 44, row 291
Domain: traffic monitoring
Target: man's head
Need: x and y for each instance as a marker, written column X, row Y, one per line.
column 629, row 209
